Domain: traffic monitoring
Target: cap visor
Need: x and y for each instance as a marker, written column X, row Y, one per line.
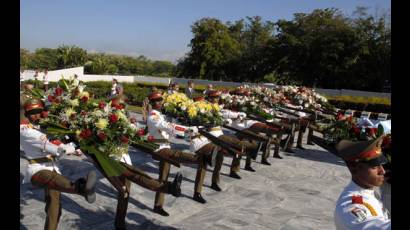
column 381, row 160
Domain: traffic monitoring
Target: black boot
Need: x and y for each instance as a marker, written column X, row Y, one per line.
column 300, row 147
column 175, row 186
column 199, row 198
column 86, row 187
column 265, row 162
column 234, row 175
column 249, row 168
column 216, row 187
column 277, row 156
column 160, row 210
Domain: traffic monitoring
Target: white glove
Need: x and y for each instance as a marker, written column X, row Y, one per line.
column 193, row 129
column 228, row 121
column 241, row 115
column 67, row 149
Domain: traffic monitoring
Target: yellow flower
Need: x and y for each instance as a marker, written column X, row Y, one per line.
column 192, row 112
column 84, row 94
column 77, row 132
column 101, row 123
column 215, row 107
column 121, row 116
column 74, row 102
column 69, row 112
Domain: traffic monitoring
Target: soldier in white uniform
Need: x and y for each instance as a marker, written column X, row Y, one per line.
column 359, row 206
column 43, row 170
column 251, row 148
column 161, row 130
column 253, row 126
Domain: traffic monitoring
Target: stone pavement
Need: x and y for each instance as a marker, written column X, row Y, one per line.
column 297, row 192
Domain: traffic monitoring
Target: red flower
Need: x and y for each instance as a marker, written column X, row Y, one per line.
column 84, row 99
column 44, row 114
column 113, row 118
column 372, row 131
column 124, row 139
column 119, row 106
column 58, row 91
column 51, row 98
column 114, row 102
column 86, row 133
column 386, row 141
column 102, row 136
column 57, row 100
column 101, row 105
column 151, row 138
column 83, row 113
column 356, row 130
column 141, row 132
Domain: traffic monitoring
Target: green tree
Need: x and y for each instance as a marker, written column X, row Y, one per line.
column 71, row 56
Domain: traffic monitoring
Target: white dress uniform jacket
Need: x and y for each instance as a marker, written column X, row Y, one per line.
column 36, row 145
column 161, row 129
column 359, row 208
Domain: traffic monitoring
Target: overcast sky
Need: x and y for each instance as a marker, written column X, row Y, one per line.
column 157, row 29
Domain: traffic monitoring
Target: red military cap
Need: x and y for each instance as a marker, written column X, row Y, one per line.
column 368, row 152
column 214, row 93
column 155, row 96
column 33, row 106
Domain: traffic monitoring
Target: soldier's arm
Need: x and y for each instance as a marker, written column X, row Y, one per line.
column 359, row 216
column 163, row 125
column 229, row 114
column 32, row 138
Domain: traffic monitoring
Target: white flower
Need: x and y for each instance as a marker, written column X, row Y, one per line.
column 97, row 113
column 306, row 105
column 183, row 108
column 202, row 110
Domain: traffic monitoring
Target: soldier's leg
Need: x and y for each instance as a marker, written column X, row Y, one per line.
column 252, row 148
column 266, row 151
column 309, row 137
column 235, row 166
column 53, row 180
column 52, row 209
column 181, row 157
column 302, row 130
column 122, row 205
column 164, row 168
column 216, row 172
column 199, row 180
column 144, row 180
column 277, row 145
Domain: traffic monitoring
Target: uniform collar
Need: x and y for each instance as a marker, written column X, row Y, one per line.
column 355, row 187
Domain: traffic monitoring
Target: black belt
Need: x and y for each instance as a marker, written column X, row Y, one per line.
column 161, row 141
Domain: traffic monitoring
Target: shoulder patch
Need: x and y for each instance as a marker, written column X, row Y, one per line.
column 359, row 214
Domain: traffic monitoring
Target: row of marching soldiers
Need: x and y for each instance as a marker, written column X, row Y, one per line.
column 208, row 148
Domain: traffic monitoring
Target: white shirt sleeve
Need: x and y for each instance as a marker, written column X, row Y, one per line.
column 32, row 139
column 163, row 125
column 229, row 114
